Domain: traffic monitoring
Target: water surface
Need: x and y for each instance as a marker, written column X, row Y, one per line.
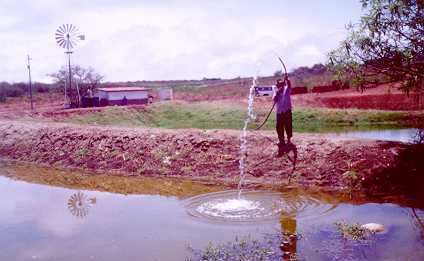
column 401, row 135
column 36, row 223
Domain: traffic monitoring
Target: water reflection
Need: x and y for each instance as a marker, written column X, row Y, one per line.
column 34, row 224
column 79, row 204
column 290, row 237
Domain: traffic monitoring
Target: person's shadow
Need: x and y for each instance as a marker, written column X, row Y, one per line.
column 289, row 150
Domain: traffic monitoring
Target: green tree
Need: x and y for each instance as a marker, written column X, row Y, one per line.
column 83, row 80
column 386, row 46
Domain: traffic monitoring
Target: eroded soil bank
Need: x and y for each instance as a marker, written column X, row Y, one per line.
column 207, row 156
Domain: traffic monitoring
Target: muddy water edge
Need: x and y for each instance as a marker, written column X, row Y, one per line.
column 210, row 156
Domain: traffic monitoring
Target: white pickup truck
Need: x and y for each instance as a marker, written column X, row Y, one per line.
column 264, row 90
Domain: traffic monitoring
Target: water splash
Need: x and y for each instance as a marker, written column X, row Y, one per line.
column 232, row 208
column 255, row 206
column 243, row 138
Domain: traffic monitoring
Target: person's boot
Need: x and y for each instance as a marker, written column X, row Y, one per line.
column 281, row 145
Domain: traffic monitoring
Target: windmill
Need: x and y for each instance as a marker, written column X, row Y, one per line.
column 67, row 36
column 79, row 204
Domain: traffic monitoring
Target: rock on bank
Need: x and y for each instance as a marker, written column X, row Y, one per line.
column 210, row 155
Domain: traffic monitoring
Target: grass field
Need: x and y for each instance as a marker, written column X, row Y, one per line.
column 221, row 115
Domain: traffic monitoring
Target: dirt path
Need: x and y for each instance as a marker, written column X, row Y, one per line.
column 208, row 156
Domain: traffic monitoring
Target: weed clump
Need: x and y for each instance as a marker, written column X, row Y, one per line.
column 242, row 249
column 352, row 231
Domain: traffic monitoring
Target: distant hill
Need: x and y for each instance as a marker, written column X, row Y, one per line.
column 318, row 74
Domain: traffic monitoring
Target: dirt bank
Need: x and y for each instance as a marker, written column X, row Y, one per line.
column 209, row 156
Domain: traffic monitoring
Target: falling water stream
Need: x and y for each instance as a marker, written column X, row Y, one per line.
column 243, row 138
column 239, row 205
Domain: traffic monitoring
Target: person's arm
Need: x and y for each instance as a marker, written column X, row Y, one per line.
column 288, row 82
column 277, row 92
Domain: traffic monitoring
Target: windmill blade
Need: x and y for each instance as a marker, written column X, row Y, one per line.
column 61, row 43
column 59, row 37
column 67, row 36
column 60, row 30
column 73, row 29
column 63, row 28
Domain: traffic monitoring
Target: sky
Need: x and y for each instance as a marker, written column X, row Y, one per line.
column 129, row 40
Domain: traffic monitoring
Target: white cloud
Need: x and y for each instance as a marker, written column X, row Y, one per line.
column 163, row 40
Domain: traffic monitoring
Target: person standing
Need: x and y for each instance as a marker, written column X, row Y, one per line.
column 284, row 113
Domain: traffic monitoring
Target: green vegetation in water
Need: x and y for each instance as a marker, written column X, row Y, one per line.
column 244, row 248
column 351, row 231
column 215, row 115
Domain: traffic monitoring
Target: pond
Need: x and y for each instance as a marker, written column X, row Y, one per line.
column 401, row 135
column 44, row 222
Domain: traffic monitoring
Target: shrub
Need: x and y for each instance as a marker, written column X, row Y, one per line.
column 351, row 231
column 41, row 88
column 242, row 249
column 12, row 90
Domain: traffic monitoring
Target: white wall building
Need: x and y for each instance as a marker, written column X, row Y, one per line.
column 122, row 95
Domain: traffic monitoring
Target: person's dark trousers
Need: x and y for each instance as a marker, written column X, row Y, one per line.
column 284, row 123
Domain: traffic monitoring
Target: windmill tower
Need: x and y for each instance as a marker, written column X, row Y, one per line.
column 67, row 36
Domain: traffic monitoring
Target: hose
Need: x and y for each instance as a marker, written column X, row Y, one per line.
column 266, row 119
column 273, row 105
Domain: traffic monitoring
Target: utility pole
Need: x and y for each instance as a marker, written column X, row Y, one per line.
column 30, row 83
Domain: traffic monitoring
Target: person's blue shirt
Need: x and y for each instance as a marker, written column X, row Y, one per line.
column 283, row 100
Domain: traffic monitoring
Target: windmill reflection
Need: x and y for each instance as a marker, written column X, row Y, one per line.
column 79, row 204
column 290, row 237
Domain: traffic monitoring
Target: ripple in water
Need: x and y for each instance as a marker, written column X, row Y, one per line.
column 254, row 206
